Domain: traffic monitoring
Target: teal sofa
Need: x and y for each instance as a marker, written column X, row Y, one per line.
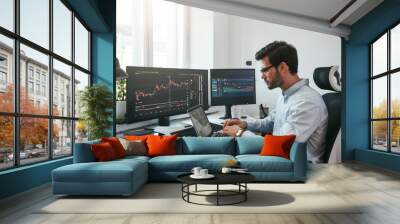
column 125, row 176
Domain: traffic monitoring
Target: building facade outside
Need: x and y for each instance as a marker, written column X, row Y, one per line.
column 34, row 91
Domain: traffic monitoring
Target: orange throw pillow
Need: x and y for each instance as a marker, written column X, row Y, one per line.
column 277, row 145
column 161, row 145
column 103, row 152
column 116, row 145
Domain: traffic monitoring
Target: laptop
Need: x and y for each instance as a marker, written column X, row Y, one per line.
column 202, row 125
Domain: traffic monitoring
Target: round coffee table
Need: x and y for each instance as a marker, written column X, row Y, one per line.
column 238, row 179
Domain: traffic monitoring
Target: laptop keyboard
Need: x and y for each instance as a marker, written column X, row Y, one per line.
column 215, row 127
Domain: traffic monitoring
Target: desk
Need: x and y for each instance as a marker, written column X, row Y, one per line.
column 182, row 126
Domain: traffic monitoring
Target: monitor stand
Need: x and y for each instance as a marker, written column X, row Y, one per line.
column 228, row 113
column 163, row 121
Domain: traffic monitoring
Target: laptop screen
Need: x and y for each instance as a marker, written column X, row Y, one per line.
column 200, row 122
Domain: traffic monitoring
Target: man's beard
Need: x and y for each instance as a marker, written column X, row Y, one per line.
column 276, row 82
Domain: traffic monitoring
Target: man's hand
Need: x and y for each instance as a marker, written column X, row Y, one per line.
column 231, row 130
column 238, row 122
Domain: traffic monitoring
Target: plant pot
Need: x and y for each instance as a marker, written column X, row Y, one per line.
column 120, row 109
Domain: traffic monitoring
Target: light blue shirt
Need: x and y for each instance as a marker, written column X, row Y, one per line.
column 300, row 111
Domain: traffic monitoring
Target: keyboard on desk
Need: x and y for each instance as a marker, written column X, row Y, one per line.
column 215, row 127
column 219, row 134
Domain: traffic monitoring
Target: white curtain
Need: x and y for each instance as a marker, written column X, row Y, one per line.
column 153, row 33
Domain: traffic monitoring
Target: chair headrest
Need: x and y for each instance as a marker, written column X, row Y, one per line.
column 328, row 78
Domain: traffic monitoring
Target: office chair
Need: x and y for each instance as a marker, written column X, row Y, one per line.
column 328, row 78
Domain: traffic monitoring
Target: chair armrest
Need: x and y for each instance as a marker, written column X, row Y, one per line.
column 298, row 155
column 83, row 152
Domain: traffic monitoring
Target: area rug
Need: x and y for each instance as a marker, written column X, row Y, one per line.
column 167, row 198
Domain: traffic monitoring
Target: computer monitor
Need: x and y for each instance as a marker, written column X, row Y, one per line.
column 163, row 92
column 232, row 87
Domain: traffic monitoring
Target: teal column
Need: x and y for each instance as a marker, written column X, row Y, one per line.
column 103, row 55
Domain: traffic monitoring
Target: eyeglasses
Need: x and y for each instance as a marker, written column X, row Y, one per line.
column 265, row 69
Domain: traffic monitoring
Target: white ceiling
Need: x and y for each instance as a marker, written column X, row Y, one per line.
column 314, row 15
column 319, row 9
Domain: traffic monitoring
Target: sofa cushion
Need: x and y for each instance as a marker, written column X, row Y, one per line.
column 135, row 147
column 208, row 145
column 257, row 163
column 275, row 145
column 83, row 152
column 112, row 171
column 249, row 145
column 185, row 163
column 116, row 145
column 161, row 145
column 133, row 158
column 103, row 152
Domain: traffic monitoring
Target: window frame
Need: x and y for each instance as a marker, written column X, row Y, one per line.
column 388, row 74
column 16, row 114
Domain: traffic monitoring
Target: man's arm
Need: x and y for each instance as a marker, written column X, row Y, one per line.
column 264, row 125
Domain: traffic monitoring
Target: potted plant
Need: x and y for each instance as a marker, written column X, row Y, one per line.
column 121, row 100
column 96, row 102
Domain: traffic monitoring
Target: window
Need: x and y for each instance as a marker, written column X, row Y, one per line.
column 6, row 142
column 30, row 87
column 385, row 96
column 30, row 72
column 160, row 35
column 34, row 21
column 62, row 29
column 81, row 45
column 61, row 74
column 7, row 14
column 81, row 81
column 45, row 131
column 37, row 75
column 38, row 89
column 44, row 91
column 3, row 72
column 6, row 73
column 3, row 61
column 62, row 137
column 3, row 78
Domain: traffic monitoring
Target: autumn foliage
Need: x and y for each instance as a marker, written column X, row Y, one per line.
column 380, row 127
column 33, row 131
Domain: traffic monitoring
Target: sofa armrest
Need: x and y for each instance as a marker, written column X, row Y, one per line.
column 298, row 155
column 83, row 152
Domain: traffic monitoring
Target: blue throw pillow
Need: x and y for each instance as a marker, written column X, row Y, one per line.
column 249, row 145
column 208, row 145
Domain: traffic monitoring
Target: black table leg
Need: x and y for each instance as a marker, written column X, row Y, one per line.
column 217, row 194
column 245, row 193
column 196, row 188
column 188, row 190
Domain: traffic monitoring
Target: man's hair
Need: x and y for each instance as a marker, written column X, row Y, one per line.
column 280, row 51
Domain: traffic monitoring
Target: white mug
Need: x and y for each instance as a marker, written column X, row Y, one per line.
column 196, row 171
column 226, row 170
column 203, row 172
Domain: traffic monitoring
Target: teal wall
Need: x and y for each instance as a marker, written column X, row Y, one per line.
column 24, row 178
column 356, row 85
column 99, row 16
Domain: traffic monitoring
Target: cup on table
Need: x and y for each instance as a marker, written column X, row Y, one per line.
column 196, row 171
column 226, row 170
column 203, row 172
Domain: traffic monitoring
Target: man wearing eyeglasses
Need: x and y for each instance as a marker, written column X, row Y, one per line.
column 300, row 109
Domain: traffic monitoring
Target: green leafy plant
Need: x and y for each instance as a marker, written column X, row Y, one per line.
column 97, row 102
column 121, row 90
